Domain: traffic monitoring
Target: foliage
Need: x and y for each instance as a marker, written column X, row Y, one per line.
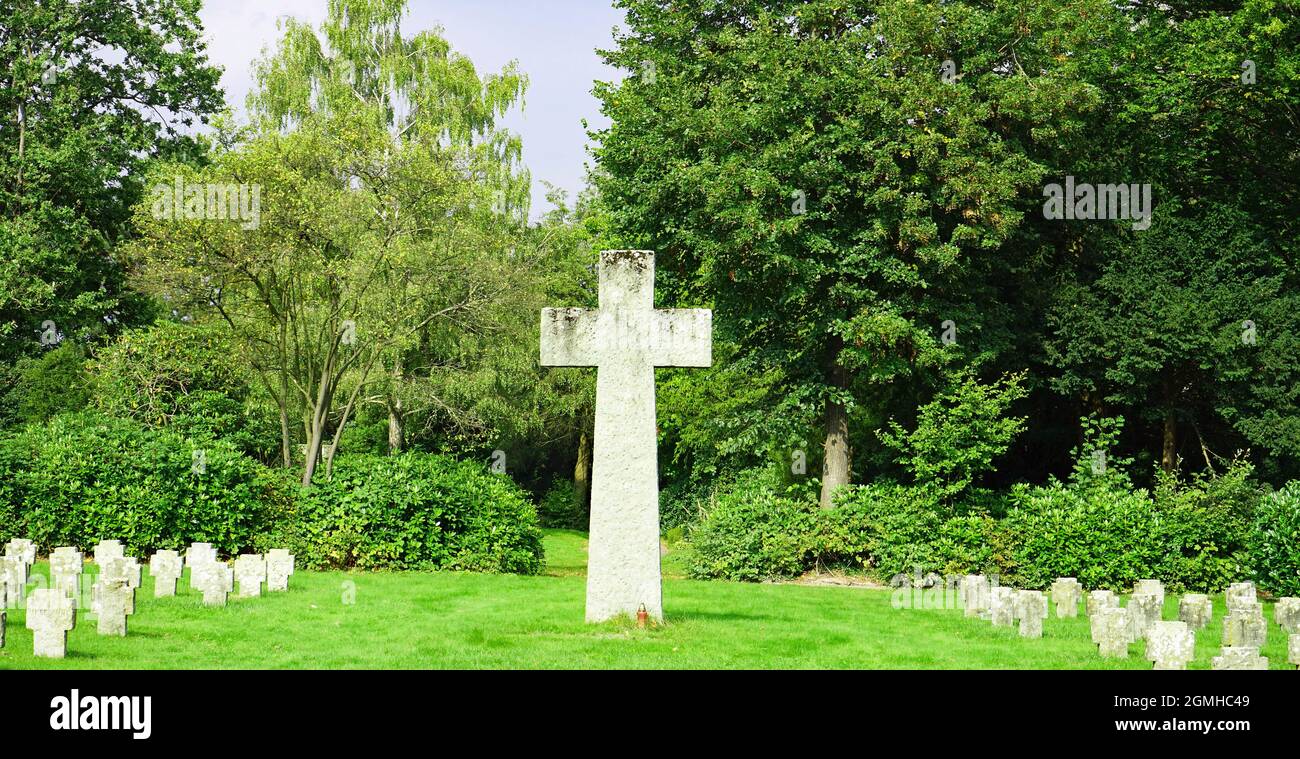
column 92, row 91
column 751, row 533
column 84, row 477
column 1275, row 542
column 187, row 378
column 558, row 507
column 960, row 433
column 47, row 385
column 415, row 511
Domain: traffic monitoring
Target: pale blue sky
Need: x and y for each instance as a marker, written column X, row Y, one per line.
column 553, row 40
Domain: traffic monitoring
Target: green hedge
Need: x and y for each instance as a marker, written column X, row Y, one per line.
column 1195, row 536
column 415, row 511
column 1275, row 542
column 82, row 477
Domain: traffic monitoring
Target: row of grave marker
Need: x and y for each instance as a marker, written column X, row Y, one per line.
column 1170, row 644
column 52, row 611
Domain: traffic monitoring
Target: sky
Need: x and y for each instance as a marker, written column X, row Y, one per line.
column 553, row 40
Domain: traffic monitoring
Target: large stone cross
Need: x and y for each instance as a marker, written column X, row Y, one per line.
column 625, row 339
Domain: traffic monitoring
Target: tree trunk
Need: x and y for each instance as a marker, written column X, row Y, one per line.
column 835, row 465
column 1169, row 452
column 396, row 440
column 1169, row 455
column 582, row 472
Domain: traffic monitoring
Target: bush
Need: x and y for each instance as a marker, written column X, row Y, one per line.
column 751, row 533
column 899, row 530
column 83, row 477
column 1105, row 536
column 415, row 511
column 559, row 507
column 1204, row 529
column 45, row 386
column 1275, row 542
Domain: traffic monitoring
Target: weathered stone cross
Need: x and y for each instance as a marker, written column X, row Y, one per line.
column 625, row 339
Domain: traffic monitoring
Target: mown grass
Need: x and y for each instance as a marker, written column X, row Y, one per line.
column 462, row 620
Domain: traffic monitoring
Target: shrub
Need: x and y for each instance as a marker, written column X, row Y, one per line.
column 1204, row 529
column 45, row 386
column 1105, row 536
column 1275, row 542
column 751, row 533
column 415, row 511
column 899, row 530
column 559, row 507
column 83, row 477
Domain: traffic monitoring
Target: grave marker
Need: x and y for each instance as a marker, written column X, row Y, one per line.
column 66, row 565
column 1113, row 633
column 1240, row 594
column 215, row 582
column 1002, row 606
column 1066, row 592
column 1171, row 645
column 625, row 338
column 115, row 594
column 1101, row 599
column 1031, row 609
column 1239, row 657
column 1287, row 614
column 1245, row 626
column 165, row 567
column 279, row 566
column 1196, row 610
column 50, row 615
column 250, row 573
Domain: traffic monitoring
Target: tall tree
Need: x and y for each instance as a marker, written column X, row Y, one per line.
column 392, row 208
column 90, row 92
column 829, row 174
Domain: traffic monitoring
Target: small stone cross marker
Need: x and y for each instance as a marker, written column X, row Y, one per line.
column 50, row 615
column 65, row 569
column 1170, row 645
column 1066, row 592
column 115, row 594
column 215, row 581
column 250, row 573
column 279, row 565
column 1195, row 609
column 107, row 549
column 625, row 339
column 165, row 567
column 196, row 556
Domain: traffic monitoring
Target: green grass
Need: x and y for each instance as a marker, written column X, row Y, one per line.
column 452, row 619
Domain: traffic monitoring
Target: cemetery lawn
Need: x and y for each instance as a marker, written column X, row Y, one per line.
column 464, row 620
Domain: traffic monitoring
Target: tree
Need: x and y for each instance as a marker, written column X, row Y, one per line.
column 91, row 91
column 811, row 171
column 392, row 203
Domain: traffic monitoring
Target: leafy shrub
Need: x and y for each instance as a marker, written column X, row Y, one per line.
column 1275, row 541
column 415, row 511
column 751, row 533
column 1105, row 536
column 83, row 477
column 1204, row 529
column 901, row 530
column 559, row 508
column 187, row 378
column 959, row 433
column 45, row 386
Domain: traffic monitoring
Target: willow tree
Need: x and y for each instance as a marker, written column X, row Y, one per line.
column 389, row 205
